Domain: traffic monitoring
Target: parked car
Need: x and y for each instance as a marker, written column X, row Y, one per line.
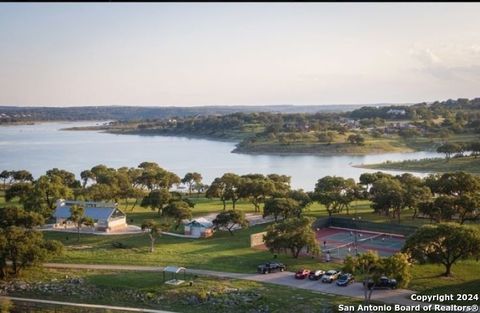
column 302, row 274
column 330, row 276
column 345, row 279
column 316, row 275
column 271, row 267
column 383, row 282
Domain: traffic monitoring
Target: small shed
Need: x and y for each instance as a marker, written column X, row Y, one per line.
column 199, row 227
column 173, row 271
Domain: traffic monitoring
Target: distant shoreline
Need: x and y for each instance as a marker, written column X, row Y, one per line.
column 18, row 123
column 468, row 164
column 272, row 150
column 52, row 122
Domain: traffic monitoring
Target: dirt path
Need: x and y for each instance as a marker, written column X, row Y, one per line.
column 355, row 290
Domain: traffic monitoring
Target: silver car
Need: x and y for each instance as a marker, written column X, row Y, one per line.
column 330, row 276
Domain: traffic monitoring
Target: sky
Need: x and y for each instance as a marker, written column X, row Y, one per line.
column 192, row 54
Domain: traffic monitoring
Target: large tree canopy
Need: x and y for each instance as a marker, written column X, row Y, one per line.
column 191, row 179
column 450, row 148
column 443, row 243
column 294, row 235
column 229, row 220
column 226, row 188
column 388, row 194
column 371, row 266
column 178, row 210
column 155, row 177
column 335, row 193
column 12, row 216
column 284, row 207
column 157, row 199
column 20, row 243
column 256, row 188
column 415, row 191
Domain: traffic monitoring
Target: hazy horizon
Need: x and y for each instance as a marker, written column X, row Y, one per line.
column 237, row 54
column 207, row 105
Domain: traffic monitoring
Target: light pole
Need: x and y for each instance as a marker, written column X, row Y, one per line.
column 356, row 234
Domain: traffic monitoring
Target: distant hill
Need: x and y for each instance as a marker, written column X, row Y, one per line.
column 129, row 113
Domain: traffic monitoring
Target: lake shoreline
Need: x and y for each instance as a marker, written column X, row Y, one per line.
column 239, row 149
column 308, row 153
column 31, row 123
column 41, row 147
column 469, row 164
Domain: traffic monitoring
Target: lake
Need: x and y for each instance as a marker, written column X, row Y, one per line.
column 40, row 147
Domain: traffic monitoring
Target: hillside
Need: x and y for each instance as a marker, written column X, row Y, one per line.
column 16, row 114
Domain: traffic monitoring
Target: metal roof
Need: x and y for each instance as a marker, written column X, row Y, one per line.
column 94, row 213
column 174, row 269
column 201, row 222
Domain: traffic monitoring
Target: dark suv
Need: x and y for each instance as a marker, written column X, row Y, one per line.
column 383, row 282
column 345, row 279
column 271, row 267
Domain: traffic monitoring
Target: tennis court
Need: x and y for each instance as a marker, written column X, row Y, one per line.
column 340, row 242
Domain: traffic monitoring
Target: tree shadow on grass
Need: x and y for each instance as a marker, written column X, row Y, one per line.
column 469, row 287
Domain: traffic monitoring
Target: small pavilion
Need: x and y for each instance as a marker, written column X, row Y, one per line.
column 173, row 271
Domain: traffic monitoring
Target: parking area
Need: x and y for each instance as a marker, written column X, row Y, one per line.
column 393, row 296
column 400, row 296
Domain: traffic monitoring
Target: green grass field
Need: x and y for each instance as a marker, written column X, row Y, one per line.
column 225, row 253
column 465, row 279
column 221, row 252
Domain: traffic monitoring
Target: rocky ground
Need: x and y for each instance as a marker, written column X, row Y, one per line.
column 78, row 289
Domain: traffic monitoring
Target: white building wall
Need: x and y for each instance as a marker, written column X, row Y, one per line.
column 118, row 223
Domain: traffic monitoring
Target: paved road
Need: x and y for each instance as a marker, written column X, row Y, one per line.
column 397, row 296
column 84, row 305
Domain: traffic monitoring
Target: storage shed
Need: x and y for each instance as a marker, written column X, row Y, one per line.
column 199, row 227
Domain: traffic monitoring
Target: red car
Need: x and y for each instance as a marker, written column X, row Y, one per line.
column 302, row 274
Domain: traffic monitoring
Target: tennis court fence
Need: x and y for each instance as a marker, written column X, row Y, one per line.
column 343, row 222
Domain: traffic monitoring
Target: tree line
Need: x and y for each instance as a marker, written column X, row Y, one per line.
column 459, row 149
column 440, row 197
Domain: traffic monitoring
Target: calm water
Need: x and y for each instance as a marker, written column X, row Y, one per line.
column 40, row 147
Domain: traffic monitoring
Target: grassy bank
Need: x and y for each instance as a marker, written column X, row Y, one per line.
column 307, row 143
column 436, row 165
column 147, row 290
column 252, row 140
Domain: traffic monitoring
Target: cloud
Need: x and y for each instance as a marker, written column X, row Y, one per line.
column 475, row 49
column 425, row 56
column 435, row 66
